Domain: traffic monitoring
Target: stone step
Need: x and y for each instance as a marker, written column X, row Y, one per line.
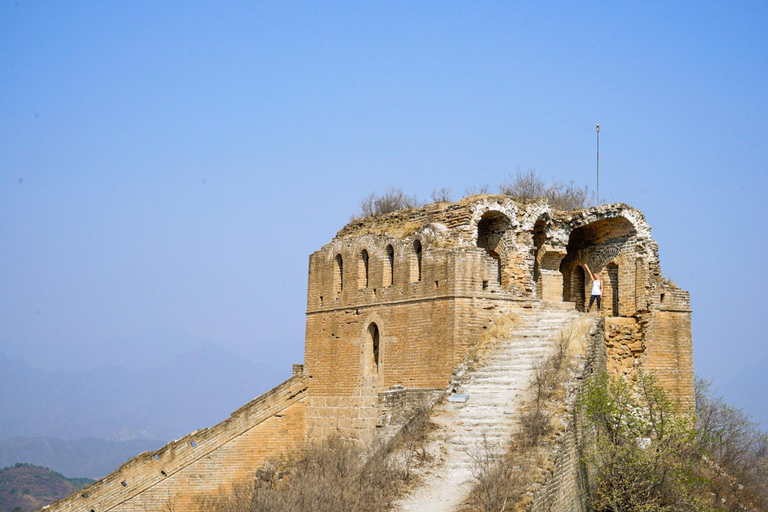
column 491, row 415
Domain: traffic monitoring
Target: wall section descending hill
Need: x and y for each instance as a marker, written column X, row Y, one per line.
column 203, row 461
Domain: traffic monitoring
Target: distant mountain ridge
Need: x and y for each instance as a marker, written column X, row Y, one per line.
column 194, row 390
column 24, row 487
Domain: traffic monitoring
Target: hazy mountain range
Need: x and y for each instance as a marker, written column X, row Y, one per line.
column 194, row 390
column 40, row 408
column 90, row 458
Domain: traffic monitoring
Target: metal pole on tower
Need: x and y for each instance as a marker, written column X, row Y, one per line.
column 598, row 164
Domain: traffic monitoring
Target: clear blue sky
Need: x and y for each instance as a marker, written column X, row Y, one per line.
column 166, row 168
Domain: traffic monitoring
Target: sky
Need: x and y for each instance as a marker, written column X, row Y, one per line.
column 166, row 168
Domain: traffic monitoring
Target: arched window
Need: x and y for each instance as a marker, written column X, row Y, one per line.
column 539, row 237
column 416, row 266
column 371, row 351
column 389, row 269
column 338, row 275
column 363, row 270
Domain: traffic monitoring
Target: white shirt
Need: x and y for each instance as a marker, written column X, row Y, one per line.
column 597, row 287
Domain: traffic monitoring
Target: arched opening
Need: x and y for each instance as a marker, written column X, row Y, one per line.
column 601, row 245
column 539, row 236
column 490, row 231
column 613, row 280
column 363, row 270
column 338, row 275
column 371, row 351
column 578, row 286
column 416, row 267
column 389, row 269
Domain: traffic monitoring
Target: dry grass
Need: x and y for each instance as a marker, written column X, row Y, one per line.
column 668, row 281
column 409, row 450
column 500, row 329
column 396, row 230
column 335, row 475
column 332, row 476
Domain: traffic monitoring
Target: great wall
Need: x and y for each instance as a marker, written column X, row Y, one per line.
column 394, row 304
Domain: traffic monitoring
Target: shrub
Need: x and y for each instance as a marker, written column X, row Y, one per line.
column 568, row 196
column 442, row 195
column 392, row 200
column 529, row 185
column 477, row 190
column 736, row 448
column 335, row 475
column 646, row 454
column 332, row 476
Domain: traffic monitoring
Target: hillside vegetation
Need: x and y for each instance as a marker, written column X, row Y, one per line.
column 645, row 454
column 24, row 487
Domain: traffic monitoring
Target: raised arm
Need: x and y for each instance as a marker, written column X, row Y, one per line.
column 589, row 272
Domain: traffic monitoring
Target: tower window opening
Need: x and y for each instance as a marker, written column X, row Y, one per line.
column 338, row 275
column 372, row 351
column 416, row 270
column 364, row 259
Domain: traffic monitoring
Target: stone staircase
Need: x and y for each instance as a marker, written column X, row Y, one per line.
column 488, row 418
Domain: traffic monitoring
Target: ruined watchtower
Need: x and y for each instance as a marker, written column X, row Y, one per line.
column 398, row 299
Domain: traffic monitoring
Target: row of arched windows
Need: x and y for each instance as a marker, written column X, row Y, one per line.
column 364, row 270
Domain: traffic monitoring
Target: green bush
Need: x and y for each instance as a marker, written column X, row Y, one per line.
column 646, row 454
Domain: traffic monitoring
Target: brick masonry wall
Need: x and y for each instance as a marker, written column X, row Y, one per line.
column 624, row 345
column 669, row 353
column 204, row 461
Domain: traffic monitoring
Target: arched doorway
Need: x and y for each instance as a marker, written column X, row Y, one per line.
column 613, row 280
column 490, row 230
column 604, row 245
column 578, row 294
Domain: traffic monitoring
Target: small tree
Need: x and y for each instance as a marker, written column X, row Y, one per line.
column 442, row 195
column 641, row 448
column 737, row 447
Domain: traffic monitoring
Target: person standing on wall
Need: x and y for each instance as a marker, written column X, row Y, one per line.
column 597, row 289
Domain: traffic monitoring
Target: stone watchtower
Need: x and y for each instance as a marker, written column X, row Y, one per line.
column 398, row 299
